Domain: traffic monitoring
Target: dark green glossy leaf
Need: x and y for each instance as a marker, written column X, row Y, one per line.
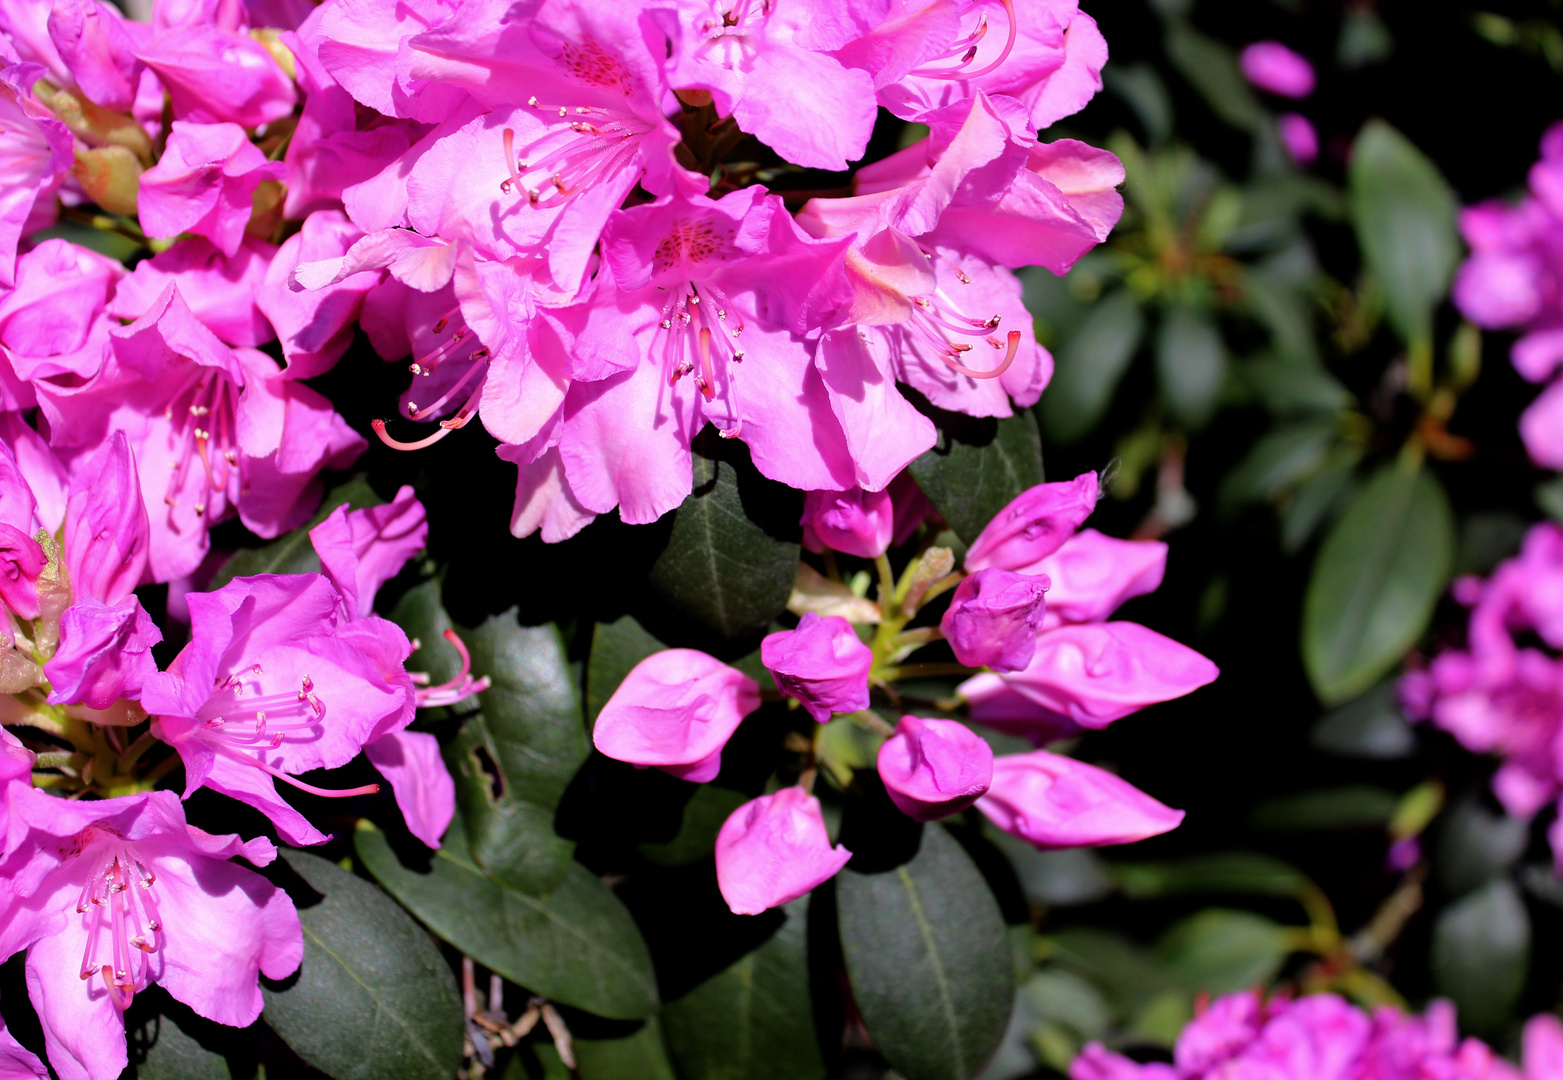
column 929, row 961
column 166, row 1040
column 1404, row 214
column 1287, row 387
column 616, row 648
column 1358, row 806
column 978, row 466
column 1089, row 367
column 732, row 555
column 293, row 553
column 1221, row 951
column 1378, row 576
column 517, row 756
column 1211, row 67
column 754, row 1020
column 1476, row 845
column 373, row 997
column 1191, row 365
column 1321, row 498
column 641, row 1056
column 1133, row 981
column 578, row 945
column 1279, row 460
column 1245, row 872
column 704, row 815
column 1481, row 955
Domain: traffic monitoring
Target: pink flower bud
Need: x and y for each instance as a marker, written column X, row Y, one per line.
column 854, row 522
column 1096, row 673
column 774, row 849
column 105, row 652
column 1054, row 801
column 821, row 663
column 1299, row 138
column 203, row 183
column 107, row 532
column 676, row 709
column 21, row 561
column 934, row 768
column 1034, row 525
column 1093, row 574
column 994, row 618
column 1276, row 69
column 992, row 702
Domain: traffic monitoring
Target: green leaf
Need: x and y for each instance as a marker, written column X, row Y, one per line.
column 616, row 648
column 1191, row 365
column 732, row 555
column 1279, row 460
column 1404, row 215
column 1481, row 955
column 578, row 945
column 978, row 466
column 1375, row 583
column 1089, row 367
column 293, row 553
column 930, row 965
column 705, row 813
column 1320, row 498
column 168, row 1041
column 513, row 761
column 1476, row 845
column 641, row 1056
column 1358, row 806
column 1244, row 872
column 1287, row 387
column 373, row 997
column 1212, row 69
column 1108, row 958
column 1371, row 726
column 1221, row 951
column 754, row 1020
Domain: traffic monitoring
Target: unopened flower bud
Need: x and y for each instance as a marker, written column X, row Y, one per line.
column 994, row 618
column 774, row 849
column 111, row 177
column 934, row 768
column 93, row 124
column 1276, row 69
column 821, row 663
column 1034, row 525
column 854, row 522
column 676, row 710
column 1054, row 801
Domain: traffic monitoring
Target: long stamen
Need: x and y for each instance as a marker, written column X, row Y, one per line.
column 330, row 793
column 971, row 52
column 455, row 689
column 1009, row 358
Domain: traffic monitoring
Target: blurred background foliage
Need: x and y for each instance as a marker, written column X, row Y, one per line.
column 1267, row 355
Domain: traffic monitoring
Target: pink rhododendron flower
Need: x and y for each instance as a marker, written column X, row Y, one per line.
column 223, row 292
column 16, row 1061
column 1054, row 801
column 1095, row 673
column 97, row 47
column 35, row 156
column 1091, row 575
column 993, row 619
column 822, row 663
column 215, row 430
column 854, row 522
column 314, row 326
column 203, row 184
column 1541, row 426
column 993, row 702
column 675, row 710
column 216, row 76
column 934, row 768
column 769, row 67
column 774, row 849
column 1276, row 69
column 108, row 897
column 273, row 684
column 52, row 323
column 1298, row 138
column 1034, row 525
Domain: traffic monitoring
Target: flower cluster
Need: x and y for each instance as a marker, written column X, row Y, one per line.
column 1503, row 693
column 1514, row 279
column 1031, row 606
column 1323, row 1037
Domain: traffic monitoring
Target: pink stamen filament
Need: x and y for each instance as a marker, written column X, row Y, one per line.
column 1009, row 358
column 968, row 49
column 120, row 888
column 463, row 685
column 589, row 151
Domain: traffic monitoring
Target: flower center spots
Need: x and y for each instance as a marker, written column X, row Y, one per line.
column 203, row 418
column 596, row 66
column 119, row 910
column 690, row 241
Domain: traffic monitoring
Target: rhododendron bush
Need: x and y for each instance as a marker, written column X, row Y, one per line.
column 525, row 548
